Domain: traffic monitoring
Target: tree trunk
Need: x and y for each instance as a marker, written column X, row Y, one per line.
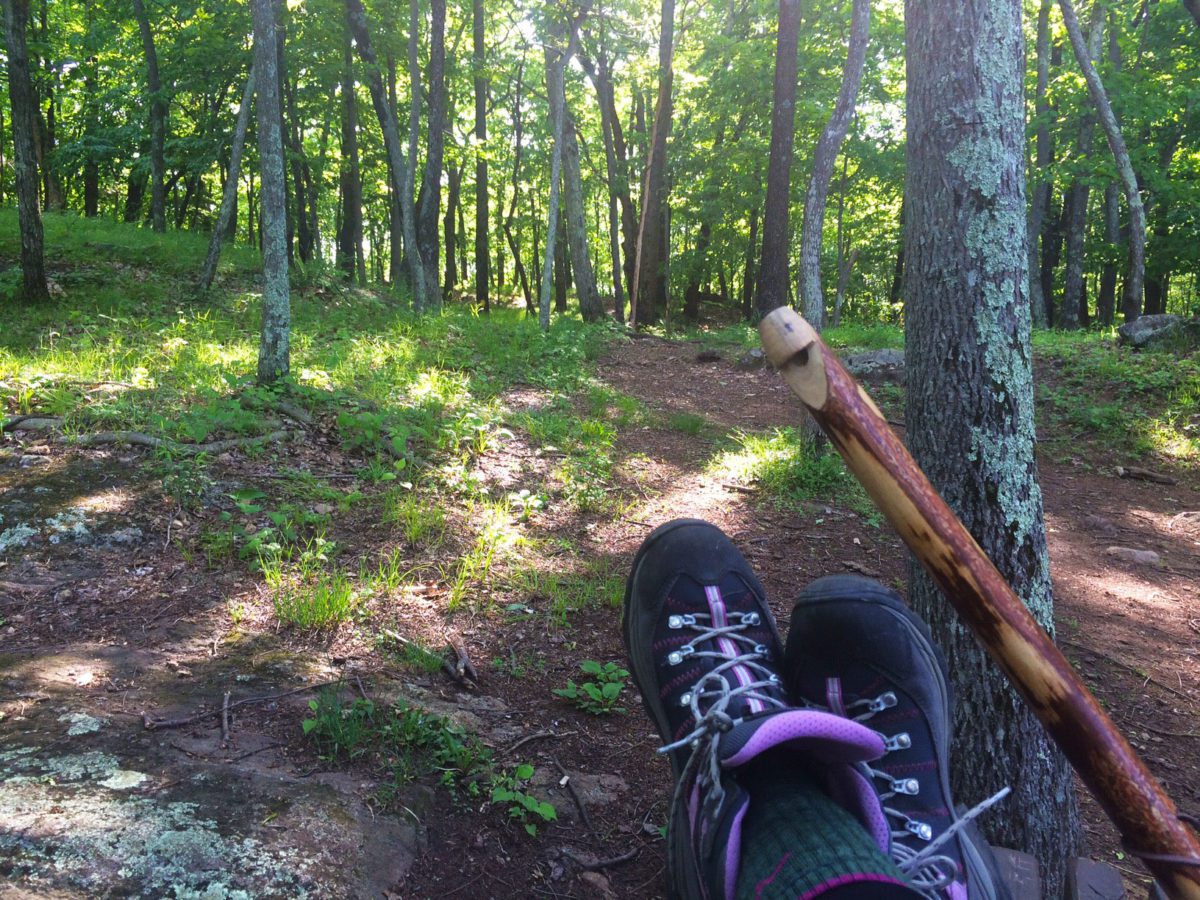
column 561, row 275
column 395, row 215
column 969, row 407
column 1193, row 7
column 416, row 266
column 824, row 158
column 556, row 62
column 158, row 122
column 1132, row 294
column 54, row 196
column 1075, row 203
column 773, row 275
column 750, row 274
column 299, row 164
column 896, row 297
column 518, row 131
column 349, row 235
column 429, row 200
column 450, row 280
column 1042, row 179
column 21, row 98
column 273, row 356
column 482, row 249
column 650, row 271
column 229, row 197
column 590, row 306
column 1106, row 300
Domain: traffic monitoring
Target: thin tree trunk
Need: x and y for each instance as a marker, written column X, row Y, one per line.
column 158, row 122
column 482, row 247
column 750, row 273
column 349, row 237
column 229, row 196
column 824, row 158
column 1106, row 300
column 450, row 280
column 1132, row 294
column 969, row 407
column 518, row 131
column 21, row 97
column 1042, row 179
column 273, row 352
column 772, row 289
column 650, row 277
column 395, row 215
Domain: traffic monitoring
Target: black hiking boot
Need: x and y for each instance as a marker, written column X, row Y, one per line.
column 704, row 651
column 856, row 649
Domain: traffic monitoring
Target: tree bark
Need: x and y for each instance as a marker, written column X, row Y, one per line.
column 273, row 351
column 158, row 122
column 556, row 62
column 482, row 247
column 23, row 104
column 429, row 200
column 590, row 306
column 969, row 407
column 650, row 276
column 824, row 158
column 518, row 131
column 1132, row 294
column 229, row 196
column 450, row 237
column 1193, row 7
column 772, row 289
column 416, row 266
column 349, row 235
column 1042, row 179
column 1106, row 300
column 750, row 273
column 896, row 297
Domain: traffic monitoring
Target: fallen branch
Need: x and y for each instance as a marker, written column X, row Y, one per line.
column 461, row 669
column 152, row 724
column 225, row 721
column 596, row 865
column 1143, row 475
column 31, row 423
column 292, row 411
column 1133, row 670
column 566, row 782
column 537, row 736
column 146, row 440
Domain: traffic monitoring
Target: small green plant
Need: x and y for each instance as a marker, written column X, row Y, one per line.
column 688, row 423
column 183, row 478
column 509, row 789
column 325, row 599
column 420, row 521
column 525, row 503
column 337, row 728
column 598, row 697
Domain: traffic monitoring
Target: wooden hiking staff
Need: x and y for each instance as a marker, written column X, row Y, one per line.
column 1132, row 798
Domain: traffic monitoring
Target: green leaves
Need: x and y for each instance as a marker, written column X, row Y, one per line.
column 597, row 697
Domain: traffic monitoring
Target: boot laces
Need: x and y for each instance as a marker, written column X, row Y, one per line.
column 712, row 695
column 926, row 870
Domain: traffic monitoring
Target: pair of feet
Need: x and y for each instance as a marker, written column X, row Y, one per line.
column 858, row 699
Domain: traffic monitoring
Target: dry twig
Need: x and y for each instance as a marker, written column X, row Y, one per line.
column 566, row 782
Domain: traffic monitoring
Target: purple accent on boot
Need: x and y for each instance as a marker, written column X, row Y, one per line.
column 824, row 736
column 853, row 791
column 733, row 853
column 843, row 880
column 833, row 696
column 957, row 891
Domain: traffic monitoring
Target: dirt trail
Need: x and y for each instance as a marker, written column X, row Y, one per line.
column 105, row 619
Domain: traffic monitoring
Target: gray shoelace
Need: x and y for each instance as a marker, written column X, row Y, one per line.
column 926, row 870
column 710, row 697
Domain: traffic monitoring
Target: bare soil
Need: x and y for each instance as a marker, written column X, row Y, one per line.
column 150, row 629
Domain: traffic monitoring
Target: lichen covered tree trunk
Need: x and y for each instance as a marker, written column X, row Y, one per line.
column 20, row 94
column 970, row 393
column 577, row 236
column 273, row 350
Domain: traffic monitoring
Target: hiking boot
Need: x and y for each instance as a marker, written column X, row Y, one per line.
column 856, row 649
column 704, row 652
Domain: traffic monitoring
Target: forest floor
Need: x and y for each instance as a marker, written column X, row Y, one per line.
column 119, row 616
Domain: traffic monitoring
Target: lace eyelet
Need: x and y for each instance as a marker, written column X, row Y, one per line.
column 751, row 618
column 882, row 702
column 899, row 741
column 686, row 699
column 909, row 786
column 677, row 622
column 922, row 830
column 678, row 656
column 763, row 650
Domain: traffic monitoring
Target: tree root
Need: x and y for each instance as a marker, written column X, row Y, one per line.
column 146, row 440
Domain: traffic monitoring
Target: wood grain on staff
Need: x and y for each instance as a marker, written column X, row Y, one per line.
column 1120, row 781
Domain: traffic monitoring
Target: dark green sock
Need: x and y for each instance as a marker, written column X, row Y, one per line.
column 795, row 840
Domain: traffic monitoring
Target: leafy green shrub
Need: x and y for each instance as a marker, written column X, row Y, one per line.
column 508, row 790
column 597, row 697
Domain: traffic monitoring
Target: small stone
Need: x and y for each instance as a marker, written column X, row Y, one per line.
column 754, row 358
column 32, row 459
column 596, row 886
column 1137, row 557
column 323, row 509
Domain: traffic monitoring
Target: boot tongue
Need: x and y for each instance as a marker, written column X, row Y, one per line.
column 819, row 735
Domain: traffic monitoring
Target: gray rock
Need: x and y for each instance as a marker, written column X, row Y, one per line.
column 1137, row 557
column 29, row 460
column 1160, row 331
column 752, row 359
column 885, row 363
